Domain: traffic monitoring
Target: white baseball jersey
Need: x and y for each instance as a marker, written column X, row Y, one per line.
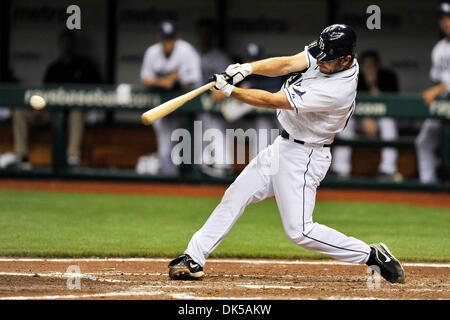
column 440, row 63
column 323, row 103
column 183, row 59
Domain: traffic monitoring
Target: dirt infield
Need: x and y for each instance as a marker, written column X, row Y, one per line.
column 428, row 199
column 226, row 279
column 115, row 278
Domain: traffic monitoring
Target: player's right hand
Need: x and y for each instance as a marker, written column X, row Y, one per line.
column 222, row 84
column 237, row 72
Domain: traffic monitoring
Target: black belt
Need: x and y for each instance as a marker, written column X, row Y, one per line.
column 285, row 135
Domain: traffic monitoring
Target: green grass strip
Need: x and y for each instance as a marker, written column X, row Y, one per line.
column 43, row 224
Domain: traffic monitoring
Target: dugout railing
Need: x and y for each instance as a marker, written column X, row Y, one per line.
column 61, row 98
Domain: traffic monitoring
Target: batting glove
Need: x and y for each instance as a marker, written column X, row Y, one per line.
column 222, row 84
column 237, row 72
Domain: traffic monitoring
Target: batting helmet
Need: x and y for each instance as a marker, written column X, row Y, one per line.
column 335, row 41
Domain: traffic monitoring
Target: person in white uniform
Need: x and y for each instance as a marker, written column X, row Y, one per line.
column 313, row 105
column 373, row 79
column 213, row 61
column 430, row 134
column 170, row 64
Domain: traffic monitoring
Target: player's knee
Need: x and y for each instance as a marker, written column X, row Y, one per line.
column 423, row 144
column 296, row 234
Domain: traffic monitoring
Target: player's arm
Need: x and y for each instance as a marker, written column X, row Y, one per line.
column 280, row 66
column 271, row 67
column 165, row 82
column 430, row 94
column 262, row 98
column 255, row 97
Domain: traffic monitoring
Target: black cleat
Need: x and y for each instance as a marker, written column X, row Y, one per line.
column 184, row 268
column 389, row 267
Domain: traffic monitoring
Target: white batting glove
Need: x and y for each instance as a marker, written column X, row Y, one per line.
column 237, row 72
column 222, row 84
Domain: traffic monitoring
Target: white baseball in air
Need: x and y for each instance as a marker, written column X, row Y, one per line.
column 37, row 102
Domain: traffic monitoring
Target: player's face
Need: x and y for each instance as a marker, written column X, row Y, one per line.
column 369, row 66
column 168, row 45
column 445, row 25
column 333, row 66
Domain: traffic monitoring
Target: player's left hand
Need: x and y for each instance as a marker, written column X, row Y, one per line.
column 237, row 72
column 222, row 84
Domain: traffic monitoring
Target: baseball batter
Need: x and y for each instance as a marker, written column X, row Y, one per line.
column 313, row 105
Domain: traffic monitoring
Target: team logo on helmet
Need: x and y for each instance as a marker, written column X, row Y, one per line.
column 321, row 44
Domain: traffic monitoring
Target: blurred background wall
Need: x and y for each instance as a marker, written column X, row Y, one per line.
column 116, row 33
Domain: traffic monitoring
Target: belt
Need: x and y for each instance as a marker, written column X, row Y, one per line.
column 285, row 135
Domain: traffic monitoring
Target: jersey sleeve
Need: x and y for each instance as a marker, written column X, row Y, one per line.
column 309, row 58
column 438, row 73
column 311, row 99
column 191, row 69
column 146, row 68
column 435, row 73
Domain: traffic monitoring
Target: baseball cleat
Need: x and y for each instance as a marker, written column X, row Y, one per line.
column 389, row 267
column 184, row 268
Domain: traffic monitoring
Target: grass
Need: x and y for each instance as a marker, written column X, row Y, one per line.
column 74, row 225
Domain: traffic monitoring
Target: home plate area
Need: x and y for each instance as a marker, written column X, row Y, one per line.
column 147, row 278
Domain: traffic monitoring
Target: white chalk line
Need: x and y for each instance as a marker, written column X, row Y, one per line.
column 144, row 291
column 277, row 262
column 61, row 275
column 90, row 295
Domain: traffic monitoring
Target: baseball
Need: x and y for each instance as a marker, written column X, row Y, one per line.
column 37, row 102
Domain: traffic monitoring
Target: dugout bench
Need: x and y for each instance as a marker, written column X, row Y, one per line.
column 61, row 98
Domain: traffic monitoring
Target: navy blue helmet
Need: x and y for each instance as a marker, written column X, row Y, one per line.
column 335, row 42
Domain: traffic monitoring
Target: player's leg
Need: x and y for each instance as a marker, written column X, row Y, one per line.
column 215, row 164
column 389, row 155
column 75, row 137
column 163, row 130
column 252, row 185
column 301, row 171
column 426, row 144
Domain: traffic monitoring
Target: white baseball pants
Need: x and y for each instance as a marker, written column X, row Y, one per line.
column 291, row 172
column 427, row 143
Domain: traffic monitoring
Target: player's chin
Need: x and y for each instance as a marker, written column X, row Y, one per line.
column 325, row 70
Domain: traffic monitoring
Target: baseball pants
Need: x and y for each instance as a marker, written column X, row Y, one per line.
column 427, row 143
column 291, row 172
column 163, row 131
column 23, row 118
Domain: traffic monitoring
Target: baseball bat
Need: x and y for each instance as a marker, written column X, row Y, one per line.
column 169, row 106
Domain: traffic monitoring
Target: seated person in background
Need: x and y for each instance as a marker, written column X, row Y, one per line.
column 171, row 64
column 67, row 69
column 213, row 61
column 372, row 79
column 430, row 135
column 263, row 123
